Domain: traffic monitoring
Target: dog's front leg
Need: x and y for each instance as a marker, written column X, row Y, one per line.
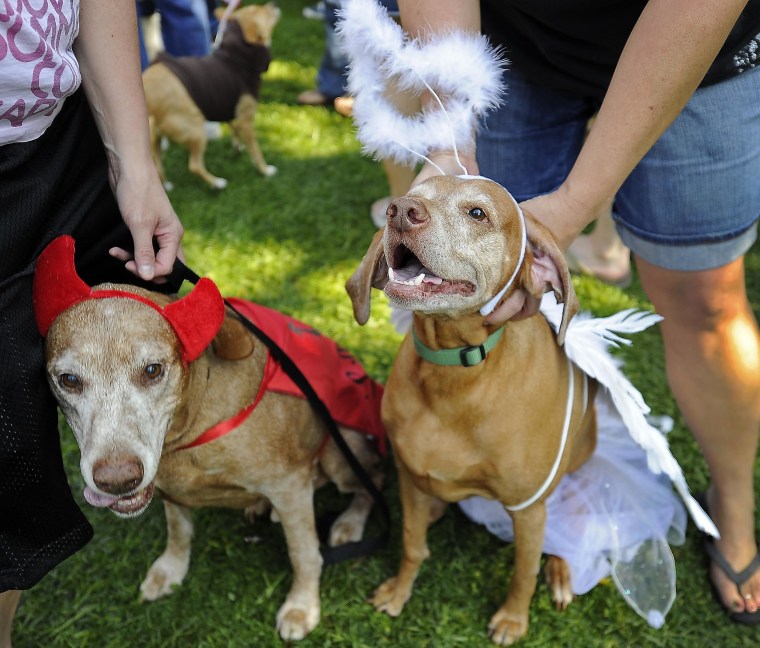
column 299, row 615
column 416, row 507
column 511, row 620
column 170, row 568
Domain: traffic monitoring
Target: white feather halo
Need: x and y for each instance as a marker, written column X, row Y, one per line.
column 462, row 67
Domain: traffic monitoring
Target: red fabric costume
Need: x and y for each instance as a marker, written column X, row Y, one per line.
column 351, row 396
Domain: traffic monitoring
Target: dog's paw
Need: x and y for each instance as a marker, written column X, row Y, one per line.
column 390, row 598
column 220, row 183
column 270, row 170
column 557, row 575
column 347, row 528
column 296, row 620
column 166, row 573
column 168, row 186
column 258, row 509
column 505, row 627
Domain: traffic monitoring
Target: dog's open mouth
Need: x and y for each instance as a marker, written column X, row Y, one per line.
column 407, row 274
column 125, row 506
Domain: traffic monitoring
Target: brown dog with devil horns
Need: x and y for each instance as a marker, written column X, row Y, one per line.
column 176, row 397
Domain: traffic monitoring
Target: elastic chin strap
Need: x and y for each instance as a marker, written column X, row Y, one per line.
column 489, row 306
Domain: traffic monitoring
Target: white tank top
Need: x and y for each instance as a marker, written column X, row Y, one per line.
column 38, row 69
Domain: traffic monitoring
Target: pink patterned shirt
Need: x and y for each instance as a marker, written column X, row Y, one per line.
column 38, row 69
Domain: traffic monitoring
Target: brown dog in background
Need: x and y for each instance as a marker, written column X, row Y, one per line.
column 492, row 429
column 184, row 93
column 145, row 381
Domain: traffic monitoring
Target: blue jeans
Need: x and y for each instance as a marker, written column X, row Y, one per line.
column 185, row 27
column 693, row 201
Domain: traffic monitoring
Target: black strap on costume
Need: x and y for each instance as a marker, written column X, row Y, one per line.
column 349, row 550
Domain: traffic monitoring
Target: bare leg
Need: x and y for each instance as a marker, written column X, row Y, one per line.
column 8, row 604
column 712, row 354
column 399, row 180
column 399, row 177
column 601, row 254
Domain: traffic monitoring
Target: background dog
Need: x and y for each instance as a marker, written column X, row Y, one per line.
column 494, row 428
column 176, row 397
column 184, row 93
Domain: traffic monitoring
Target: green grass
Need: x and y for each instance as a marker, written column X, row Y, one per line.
column 290, row 242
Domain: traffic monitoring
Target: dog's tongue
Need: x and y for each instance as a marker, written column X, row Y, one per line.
column 414, row 273
column 95, row 499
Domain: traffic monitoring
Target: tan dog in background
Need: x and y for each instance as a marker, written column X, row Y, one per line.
column 492, row 429
column 184, row 93
column 138, row 405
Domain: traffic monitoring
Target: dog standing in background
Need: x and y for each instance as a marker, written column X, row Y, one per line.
column 184, row 93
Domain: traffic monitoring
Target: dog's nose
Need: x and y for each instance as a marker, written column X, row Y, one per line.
column 117, row 475
column 404, row 213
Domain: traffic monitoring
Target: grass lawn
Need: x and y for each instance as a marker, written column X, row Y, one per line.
column 290, row 242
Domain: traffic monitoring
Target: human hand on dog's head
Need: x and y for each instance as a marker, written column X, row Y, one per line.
column 565, row 217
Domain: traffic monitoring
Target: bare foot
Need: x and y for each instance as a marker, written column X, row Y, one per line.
column 610, row 263
column 738, row 547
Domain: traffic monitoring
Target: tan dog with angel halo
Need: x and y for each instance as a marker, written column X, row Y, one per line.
column 482, row 412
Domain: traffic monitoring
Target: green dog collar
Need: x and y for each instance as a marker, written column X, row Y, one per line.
column 466, row 356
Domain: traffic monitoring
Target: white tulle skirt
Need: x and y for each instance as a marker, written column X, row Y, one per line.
column 612, row 517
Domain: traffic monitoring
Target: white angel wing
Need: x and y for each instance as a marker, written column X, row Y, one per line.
column 587, row 344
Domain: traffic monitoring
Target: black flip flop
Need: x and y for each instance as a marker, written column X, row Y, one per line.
column 746, row 618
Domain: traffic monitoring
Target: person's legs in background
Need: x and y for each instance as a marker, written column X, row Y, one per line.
column 185, row 27
column 689, row 238
column 332, row 74
column 712, row 357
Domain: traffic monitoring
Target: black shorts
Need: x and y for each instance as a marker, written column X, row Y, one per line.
column 54, row 185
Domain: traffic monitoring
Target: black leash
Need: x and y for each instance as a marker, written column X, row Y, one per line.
column 349, row 550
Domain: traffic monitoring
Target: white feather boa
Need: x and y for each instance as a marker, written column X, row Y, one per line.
column 459, row 66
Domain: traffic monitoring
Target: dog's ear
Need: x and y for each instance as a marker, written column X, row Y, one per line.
column 546, row 268
column 233, row 341
column 371, row 273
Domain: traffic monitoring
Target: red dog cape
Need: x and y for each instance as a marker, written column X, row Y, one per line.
column 351, row 396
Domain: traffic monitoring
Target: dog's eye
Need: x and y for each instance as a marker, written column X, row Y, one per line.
column 70, row 382
column 153, row 371
column 477, row 213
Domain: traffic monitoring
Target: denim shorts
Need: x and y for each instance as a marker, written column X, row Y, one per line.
column 693, row 201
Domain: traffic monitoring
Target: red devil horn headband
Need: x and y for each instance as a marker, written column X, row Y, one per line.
column 196, row 318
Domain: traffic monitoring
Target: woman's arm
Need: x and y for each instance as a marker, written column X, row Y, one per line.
column 107, row 50
column 666, row 57
column 424, row 17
